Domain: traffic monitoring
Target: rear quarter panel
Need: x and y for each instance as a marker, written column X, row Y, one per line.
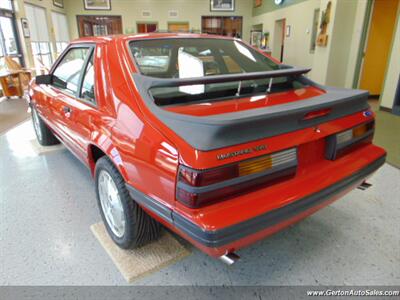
column 149, row 159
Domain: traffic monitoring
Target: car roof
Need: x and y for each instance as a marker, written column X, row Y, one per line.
column 144, row 36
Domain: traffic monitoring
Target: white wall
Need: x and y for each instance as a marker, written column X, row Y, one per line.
column 321, row 57
column 300, row 18
column 131, row 12
column 393, row 72
column 334, row 64
column 20, row 13
column 341, row 42
column 355, row 42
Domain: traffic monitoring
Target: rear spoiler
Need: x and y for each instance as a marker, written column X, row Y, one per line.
column 213, row 132
column 152, row 82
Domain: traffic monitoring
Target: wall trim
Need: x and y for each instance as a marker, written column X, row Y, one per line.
column 363, row 42
column 386, row 109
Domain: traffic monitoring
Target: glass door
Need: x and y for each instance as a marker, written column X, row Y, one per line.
column 228, row 26
column 99, row 25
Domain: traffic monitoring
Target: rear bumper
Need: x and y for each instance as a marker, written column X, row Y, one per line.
column 216, row 242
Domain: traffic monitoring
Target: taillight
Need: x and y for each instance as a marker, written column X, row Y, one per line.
column 343, row 142
column 196, row 188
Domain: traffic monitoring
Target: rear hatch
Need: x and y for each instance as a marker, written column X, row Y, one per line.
column 255, row 125
column 208, row 121
column 216, row 92
column 235, row 133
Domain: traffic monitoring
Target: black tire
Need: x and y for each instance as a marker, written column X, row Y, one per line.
column 43, row 133
column 140, row 228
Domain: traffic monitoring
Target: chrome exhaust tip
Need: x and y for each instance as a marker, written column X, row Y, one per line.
column 363, row 186
column 229, row 258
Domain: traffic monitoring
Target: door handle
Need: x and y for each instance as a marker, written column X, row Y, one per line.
column 67, row 111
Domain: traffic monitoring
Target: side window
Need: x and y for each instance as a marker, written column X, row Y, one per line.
column 87, row 91
column 66, row 75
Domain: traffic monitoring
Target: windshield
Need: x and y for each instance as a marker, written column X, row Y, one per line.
column 201, row 57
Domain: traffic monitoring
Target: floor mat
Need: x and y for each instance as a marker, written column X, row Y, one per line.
column 39, row 149
column 134, row 264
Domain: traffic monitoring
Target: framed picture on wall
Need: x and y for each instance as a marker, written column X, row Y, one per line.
column 58, row 3
column 257, row 3
column 222, row 5
column 25, row 27
column 97, row 4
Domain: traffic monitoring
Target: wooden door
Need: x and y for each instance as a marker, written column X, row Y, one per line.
column 146, row 27
column 380, row 37
column 178, row 27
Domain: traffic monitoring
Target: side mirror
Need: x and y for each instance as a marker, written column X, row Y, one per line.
column 44, row 79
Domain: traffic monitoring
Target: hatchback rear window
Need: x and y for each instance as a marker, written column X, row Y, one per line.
column 201, row 57
column 169, row 58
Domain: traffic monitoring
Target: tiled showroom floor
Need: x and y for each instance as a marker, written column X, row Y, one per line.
column 47, row 205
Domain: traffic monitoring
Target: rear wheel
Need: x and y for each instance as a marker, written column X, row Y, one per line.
column 43, row 133
column 126, row 222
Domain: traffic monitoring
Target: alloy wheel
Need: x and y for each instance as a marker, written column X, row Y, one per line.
column 111, row 204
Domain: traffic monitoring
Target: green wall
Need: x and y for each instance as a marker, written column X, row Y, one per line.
column 269, row 5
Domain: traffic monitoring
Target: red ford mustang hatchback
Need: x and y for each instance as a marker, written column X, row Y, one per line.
column 202, row 134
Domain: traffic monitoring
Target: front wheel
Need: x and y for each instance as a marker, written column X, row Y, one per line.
column 126, row 222
column 43, row 133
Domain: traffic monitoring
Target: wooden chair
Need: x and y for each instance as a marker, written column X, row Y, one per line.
column 25, row 74
column 14, row 79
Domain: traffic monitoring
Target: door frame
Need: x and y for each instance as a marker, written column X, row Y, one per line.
column 11, row 14
column 223, row 16
column 363, row 43
column 396, row 100
column 281, row 38
column 92, row 47
column 361, row 53
column 76, row 148
column 77, row 21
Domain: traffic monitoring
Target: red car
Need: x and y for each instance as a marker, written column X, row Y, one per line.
column 203, row 134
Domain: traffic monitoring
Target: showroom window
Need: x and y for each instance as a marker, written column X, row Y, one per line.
column 61, row 31
column 6, row 4
column 9, row 43
column 40, row 38
column 67, row 73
